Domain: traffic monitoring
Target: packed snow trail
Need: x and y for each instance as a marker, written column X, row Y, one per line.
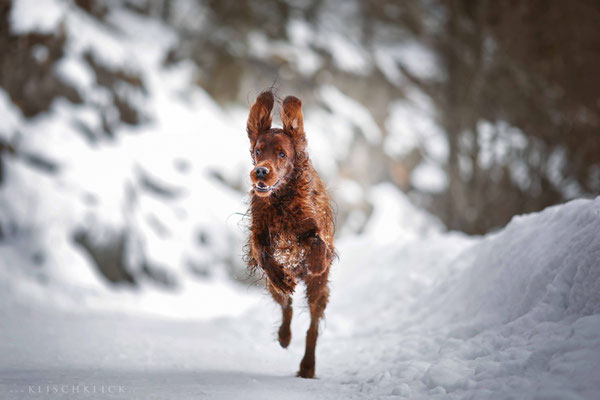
column 440, row 315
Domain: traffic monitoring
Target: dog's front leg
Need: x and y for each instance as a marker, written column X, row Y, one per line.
column 316, row 261
column 279, row 277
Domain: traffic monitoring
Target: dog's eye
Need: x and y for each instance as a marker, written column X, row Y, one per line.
column 257, row 152
column 281, row 154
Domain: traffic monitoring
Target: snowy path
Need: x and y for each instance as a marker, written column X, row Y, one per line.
column 149, row 359
column 514, row 314
column 156, row 358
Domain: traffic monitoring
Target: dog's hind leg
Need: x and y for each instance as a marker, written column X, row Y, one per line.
column 317, row 293
column 285, row 301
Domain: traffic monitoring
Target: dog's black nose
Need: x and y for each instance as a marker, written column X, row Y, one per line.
column 261, row 172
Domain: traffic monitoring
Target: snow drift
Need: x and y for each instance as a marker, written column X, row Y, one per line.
column 546, row 265
column 514, row 313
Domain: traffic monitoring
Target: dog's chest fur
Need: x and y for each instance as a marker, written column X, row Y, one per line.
column 286, row 248
column 289, row 252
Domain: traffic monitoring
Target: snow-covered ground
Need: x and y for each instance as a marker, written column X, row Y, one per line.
column 426, row 314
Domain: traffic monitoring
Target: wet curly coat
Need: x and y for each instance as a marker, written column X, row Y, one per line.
column 292, row 227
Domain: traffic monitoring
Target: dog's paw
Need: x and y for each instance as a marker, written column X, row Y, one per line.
column 307, row 368
column 285, row 335
column 307, row 373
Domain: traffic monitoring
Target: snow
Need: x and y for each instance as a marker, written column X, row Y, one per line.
column 338, row 33
column 431, row 314
column 306, row 60
column 350, row 109
column 418, row 60
column 100, row 186
column 394, row 218
column 347, row 55
column 72, row 70
column 11, row 117
column 497, row 141
column 298, row 52
column 412, row 56
column 501, row 144
column 412, row 125
column 429, row 177
column 41, row 16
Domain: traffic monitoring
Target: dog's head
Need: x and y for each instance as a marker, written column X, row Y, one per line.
column 274, row 151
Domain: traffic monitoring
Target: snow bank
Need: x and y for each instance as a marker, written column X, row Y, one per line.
column 515, row 312
column 544, row 265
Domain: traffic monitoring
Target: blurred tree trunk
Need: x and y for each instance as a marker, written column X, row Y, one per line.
column 529, row 65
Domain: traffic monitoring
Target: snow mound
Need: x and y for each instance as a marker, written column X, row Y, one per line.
column 546, row 265
column 449, row 316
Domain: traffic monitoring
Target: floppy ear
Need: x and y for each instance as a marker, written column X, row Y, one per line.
column 260, row 118
column 293, row 121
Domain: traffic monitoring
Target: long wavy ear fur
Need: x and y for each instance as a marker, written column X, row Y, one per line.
column 293, row 121
column 259, row 119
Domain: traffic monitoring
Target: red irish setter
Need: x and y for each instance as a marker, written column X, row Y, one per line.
column 291, row 233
